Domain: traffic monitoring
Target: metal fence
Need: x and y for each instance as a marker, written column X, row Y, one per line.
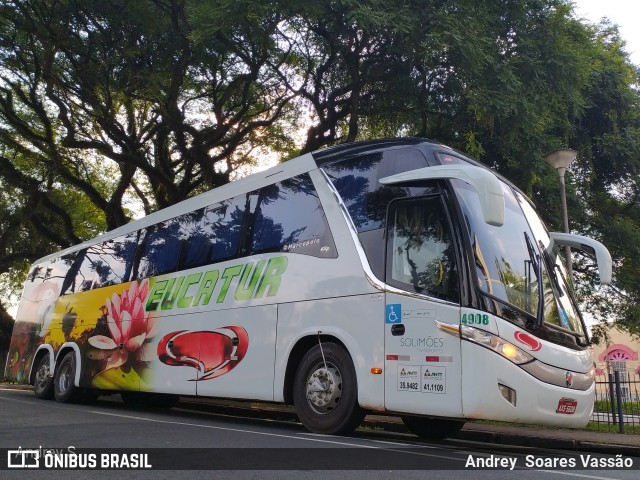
column 617, row 404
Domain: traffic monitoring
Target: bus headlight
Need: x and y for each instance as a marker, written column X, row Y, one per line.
column 493, row 342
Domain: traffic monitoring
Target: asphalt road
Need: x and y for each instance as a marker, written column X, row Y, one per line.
column 183, row 443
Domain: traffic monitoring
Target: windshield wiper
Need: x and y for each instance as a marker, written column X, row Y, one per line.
column 537, row 265
column 554, row 273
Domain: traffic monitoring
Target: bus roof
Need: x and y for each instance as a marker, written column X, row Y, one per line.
column 281, row 171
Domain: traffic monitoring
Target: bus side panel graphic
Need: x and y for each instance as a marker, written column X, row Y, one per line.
column 211, row 353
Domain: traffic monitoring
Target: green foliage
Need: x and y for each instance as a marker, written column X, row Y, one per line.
column 628, row 408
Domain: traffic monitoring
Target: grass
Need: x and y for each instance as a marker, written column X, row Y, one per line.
column 628, row 408
column 612, row 428
column 591, row 426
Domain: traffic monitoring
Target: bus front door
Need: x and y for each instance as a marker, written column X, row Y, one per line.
column 422, row 355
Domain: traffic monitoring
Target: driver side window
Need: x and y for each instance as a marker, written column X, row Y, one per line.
column 420, row 251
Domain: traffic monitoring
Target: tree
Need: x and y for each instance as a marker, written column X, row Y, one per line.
column 607, row 180
column 129, row 91
column 346, row 57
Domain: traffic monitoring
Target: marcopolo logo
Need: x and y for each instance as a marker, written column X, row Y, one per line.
column 568, row 379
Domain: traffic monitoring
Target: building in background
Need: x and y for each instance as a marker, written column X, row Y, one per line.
column 620, row 352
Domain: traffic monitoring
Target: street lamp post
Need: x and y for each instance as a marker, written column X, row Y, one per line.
column 560, row 159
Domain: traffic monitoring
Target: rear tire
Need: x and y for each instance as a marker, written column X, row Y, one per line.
column 432, row 428
column 326, row 400
column 43, row 380
column 64, row 388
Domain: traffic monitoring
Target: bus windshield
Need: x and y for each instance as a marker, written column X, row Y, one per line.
column 507, row 268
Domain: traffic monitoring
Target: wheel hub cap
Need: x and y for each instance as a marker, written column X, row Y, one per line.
column 324, row 388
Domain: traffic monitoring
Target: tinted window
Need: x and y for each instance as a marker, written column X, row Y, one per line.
column 160, row 249
column 194, row 250
column 107, row 263
column 357, row 182
column 115, row 260
column 85, row 266
column 58, row 269
column 52, row 274
column 421, row 255
column 288, row 217
column 212, row 234
column 224, row 224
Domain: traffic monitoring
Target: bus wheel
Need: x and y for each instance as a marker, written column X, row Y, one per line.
column 326, row 396
column 432, row 428
column 43, row 381
column 63, row 381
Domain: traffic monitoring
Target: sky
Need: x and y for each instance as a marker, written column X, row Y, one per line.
column 624, row 13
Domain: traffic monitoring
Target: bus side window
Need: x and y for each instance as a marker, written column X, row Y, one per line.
column 357, row 181
column 57, row 272
column 288, row 217
column 421, row 254
column 194, row 249
column 115, row 260
column 224, row 224
column 88, row 260
column 213, row 234
column 34, row 280
column 160, row 249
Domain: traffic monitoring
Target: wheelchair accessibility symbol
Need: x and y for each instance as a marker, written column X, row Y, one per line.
column 393, row 313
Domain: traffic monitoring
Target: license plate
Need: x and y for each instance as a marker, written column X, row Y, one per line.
column 567, row 406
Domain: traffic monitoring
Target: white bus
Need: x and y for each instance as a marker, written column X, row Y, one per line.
column 395, row 276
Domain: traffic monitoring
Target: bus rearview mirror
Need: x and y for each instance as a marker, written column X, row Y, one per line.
column 586, row 244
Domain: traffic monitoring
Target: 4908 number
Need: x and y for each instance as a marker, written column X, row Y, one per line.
column 475, row 319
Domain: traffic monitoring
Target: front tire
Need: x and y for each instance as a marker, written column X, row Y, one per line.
column 64, row 388
column 43, row 381
column 326, row 399
column 432, row 428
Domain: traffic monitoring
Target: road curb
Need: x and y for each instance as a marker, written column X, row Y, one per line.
column 476, row 434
